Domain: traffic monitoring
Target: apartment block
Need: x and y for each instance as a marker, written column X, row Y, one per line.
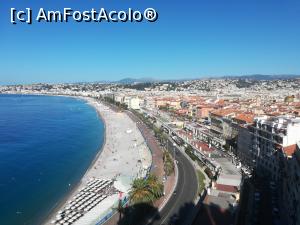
column 261, row 143
column 291, row 183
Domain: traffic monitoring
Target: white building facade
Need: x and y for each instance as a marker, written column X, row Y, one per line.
column 261, row 142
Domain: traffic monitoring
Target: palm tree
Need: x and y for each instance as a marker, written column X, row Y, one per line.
column 164, row 138
column 169, row 168
column 156, row 131
column 165, row 156
column 155, row 186
column 146, row 190
column 168, row 163
column 140, row 192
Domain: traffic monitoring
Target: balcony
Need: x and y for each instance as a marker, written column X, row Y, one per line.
column 281, row 131
column 217, row 129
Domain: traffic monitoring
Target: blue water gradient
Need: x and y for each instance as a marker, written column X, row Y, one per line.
column 46, row 145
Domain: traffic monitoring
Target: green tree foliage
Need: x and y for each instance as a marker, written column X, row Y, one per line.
column 168, row 163
column 189, row 152
column 146, row 190
column 156, row 187
column 157, row 132
column 164, row 137
column 201, row 181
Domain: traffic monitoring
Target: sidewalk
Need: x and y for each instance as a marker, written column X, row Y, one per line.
column 157, row 167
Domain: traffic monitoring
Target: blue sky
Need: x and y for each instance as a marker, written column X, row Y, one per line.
column 191, row 39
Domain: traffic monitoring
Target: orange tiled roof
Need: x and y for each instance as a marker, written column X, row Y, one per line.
column 273, row 113
column 185, row 134
column 182, row 111
column 294, row 104
column 248, row 118
column 224, row 112
column 204, row 147
column 226, row 188
column 205, row 106
column 289, row 150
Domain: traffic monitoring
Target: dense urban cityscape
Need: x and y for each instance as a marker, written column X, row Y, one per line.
column 241, row 135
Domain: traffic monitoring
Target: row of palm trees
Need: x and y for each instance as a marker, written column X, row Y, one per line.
column 168, row 163
column 163, row 137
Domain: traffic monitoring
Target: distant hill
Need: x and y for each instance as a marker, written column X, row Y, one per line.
column 264, row 77
column 135, row 80
column 130, row 81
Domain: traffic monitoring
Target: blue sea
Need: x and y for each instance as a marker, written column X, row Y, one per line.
column 46, row 145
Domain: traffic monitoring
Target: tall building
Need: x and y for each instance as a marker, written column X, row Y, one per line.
column 134, row 103
column 221, row 123
column 291, row 183
column 260, row 144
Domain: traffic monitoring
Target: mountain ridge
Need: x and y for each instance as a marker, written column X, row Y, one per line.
column 130, row 80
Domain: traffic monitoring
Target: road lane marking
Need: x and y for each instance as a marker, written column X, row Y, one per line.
column 166, row 217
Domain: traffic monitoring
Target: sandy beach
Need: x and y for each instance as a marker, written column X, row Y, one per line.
column 124, row 153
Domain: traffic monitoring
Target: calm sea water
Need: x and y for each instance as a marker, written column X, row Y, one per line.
column 46, row 145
